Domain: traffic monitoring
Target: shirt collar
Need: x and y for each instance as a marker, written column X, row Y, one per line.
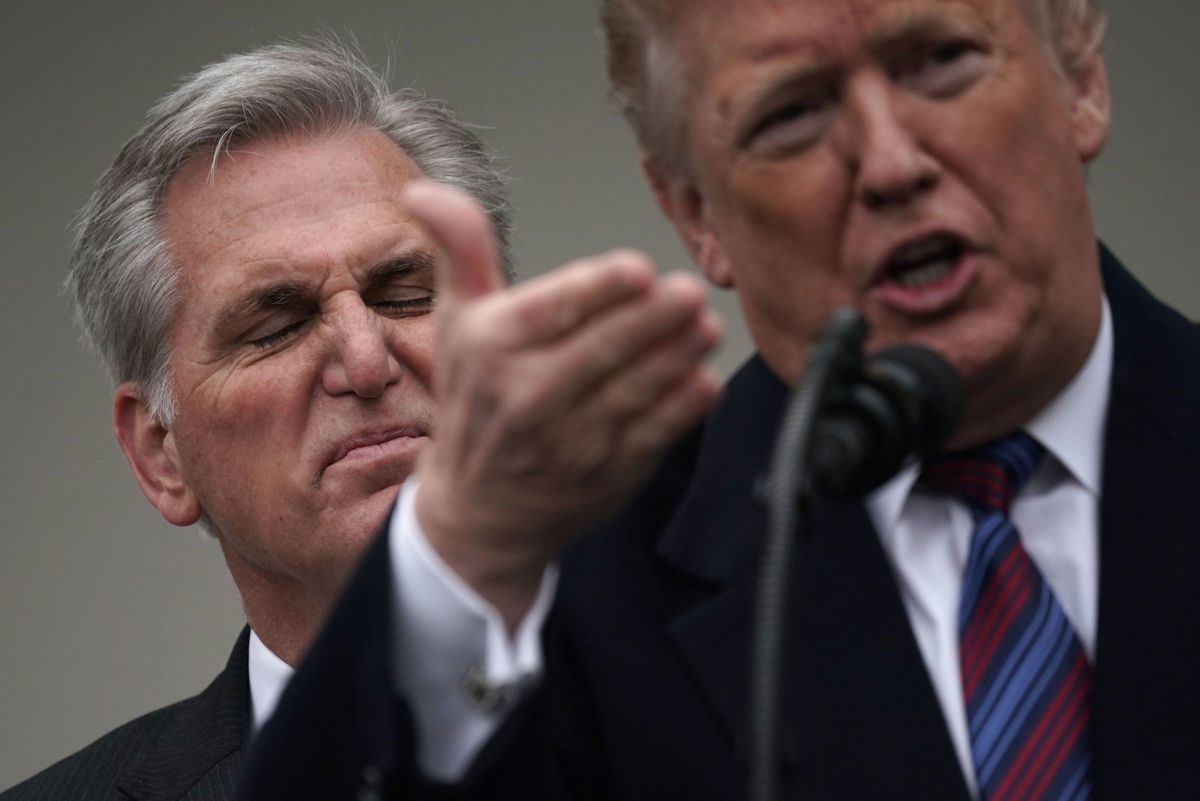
column 268, row 676
column 1071, row 427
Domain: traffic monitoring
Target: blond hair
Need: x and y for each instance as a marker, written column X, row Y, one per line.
column 646, row 84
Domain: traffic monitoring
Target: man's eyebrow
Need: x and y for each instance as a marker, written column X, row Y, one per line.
column 917, row 26
column 262, row 298
column 288, row 292
column 418, row 261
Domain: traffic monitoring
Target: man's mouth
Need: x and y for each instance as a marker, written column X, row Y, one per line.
column 924, row 262
column 363, row 445
column 928, row 275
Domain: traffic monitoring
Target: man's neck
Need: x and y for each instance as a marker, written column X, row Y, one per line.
column 284, row 613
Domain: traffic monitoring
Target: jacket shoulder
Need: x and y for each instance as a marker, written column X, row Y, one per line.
column 93, row 772
column 188, row 749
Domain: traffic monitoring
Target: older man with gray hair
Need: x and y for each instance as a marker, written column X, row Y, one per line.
column 253, row 271
column 1013, row 618
column 262, row 303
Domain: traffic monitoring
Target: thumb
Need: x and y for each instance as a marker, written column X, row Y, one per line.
column 462, row 229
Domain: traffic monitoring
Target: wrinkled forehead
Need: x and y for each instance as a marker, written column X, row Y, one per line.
column 694, row 27
column 687, row 44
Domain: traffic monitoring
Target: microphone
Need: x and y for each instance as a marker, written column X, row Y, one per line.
column 903, row 399
column 848, row 426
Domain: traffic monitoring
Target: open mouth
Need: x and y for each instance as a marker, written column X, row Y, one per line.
column 925, row 262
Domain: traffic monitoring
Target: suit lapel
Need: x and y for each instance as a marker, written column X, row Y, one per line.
column 848, row 620
column 350, row 720
column 861, row 716
column 713, row 537
column 198, row 752
column 1148, row 646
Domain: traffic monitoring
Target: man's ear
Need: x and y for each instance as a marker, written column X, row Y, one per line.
column 1091, row 105
column 684, row 205
column 150, row 448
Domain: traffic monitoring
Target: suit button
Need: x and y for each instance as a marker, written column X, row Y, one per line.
column 371, row 788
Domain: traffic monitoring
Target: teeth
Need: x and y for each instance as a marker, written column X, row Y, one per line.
column 925, row 274
column 924, row 262
column 921, row 251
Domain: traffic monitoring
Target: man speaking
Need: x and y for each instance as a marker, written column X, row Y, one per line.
column 1013, row 618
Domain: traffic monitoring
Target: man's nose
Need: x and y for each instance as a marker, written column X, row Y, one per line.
column 360, row 359
column 889, row 164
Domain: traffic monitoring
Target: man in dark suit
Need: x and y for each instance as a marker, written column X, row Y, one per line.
column 923, row 161
column 261, row 299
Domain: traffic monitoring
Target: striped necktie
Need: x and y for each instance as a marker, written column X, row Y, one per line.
column 1026, row 680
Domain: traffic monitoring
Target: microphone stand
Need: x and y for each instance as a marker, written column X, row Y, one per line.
column 837, row 355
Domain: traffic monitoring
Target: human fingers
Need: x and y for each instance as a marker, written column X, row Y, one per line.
column 610, row 351
column 565, row 403
column 606, row 434
column 464, row 232
column 658, row 369
column 646, row 437
column 503, row 355
column 558, row 303
column 511, row 356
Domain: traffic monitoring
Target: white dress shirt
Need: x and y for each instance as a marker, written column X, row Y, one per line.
column 269, row 676
column 927, row 536
column 454, row 660
column 463, row 644
column 448, row 633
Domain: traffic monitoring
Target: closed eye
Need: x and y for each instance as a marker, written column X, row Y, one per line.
column 405, row 295
column 415, row 304
column 277, row 336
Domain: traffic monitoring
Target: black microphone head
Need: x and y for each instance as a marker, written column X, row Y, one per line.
column 924, row 377
column 906, row 398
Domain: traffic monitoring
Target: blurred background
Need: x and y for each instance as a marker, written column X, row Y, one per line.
column 107, row 611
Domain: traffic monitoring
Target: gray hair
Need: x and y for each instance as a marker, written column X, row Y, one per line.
column 122, row 275
column 646, row 83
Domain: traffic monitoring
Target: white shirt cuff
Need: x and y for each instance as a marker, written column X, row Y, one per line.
column 454, row 661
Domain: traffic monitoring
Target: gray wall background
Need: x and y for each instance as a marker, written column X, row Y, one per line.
column 108, row 611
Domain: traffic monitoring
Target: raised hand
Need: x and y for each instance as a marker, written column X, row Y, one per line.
column 555, row 397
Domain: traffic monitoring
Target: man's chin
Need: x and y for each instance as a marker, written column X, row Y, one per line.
column 349, row 526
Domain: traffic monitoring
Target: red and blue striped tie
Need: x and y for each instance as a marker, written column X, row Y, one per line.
column 1026, row 679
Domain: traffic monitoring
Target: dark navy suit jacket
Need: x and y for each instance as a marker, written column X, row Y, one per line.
column 646, row 683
